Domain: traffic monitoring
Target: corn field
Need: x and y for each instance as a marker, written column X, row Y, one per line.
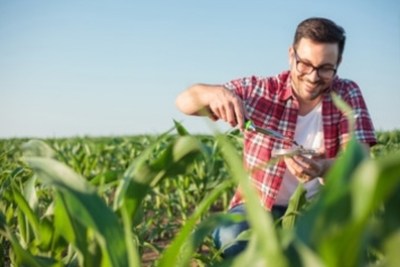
column 154, row 200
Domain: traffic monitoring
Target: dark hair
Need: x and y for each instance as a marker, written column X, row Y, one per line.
column 321, row 30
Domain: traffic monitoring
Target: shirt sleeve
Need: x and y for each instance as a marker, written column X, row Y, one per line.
column 363, row 129
column 242, row 87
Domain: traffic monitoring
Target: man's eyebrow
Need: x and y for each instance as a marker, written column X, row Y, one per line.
column 320, row 66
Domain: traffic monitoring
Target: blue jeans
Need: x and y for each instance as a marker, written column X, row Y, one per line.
column 226, row 234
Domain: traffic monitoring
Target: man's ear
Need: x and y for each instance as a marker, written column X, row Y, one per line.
column 291, row 55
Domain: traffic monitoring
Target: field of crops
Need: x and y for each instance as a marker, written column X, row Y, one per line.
column 153, row 200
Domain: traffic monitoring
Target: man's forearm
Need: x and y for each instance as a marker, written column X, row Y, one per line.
column 195, row 100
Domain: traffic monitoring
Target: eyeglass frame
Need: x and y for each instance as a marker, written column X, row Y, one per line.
column 312, row 68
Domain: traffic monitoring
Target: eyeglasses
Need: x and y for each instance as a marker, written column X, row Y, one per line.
column 323, row 72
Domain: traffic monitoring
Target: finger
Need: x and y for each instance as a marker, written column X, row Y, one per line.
column 309, row 166
column 231, row 116
column 211, row 114
column 218, row 114
column 302, row 168
column 213, row 117
column 222, row 113
column 240, row 113
column 313, row 167
column 235, row 114
column 293, row 167
column 224, row 110
column 302, row 161
column 306, row 162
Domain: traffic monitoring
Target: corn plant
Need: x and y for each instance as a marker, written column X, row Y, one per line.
column 108, row 201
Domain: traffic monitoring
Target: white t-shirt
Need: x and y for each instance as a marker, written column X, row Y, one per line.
column 309, row 133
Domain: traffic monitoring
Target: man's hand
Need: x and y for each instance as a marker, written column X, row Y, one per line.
column 305, row 169
column 227, row 106
column 214, row 101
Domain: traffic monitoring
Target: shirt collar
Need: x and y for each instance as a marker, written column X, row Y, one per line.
column 287, row 90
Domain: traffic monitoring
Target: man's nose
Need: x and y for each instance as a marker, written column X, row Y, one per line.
column 313, row 76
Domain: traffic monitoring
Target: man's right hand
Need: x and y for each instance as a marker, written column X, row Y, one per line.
column 215, row 101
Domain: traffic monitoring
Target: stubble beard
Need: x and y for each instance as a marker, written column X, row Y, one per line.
column 302, row 94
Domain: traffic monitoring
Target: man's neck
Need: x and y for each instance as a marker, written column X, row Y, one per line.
column 306, row 106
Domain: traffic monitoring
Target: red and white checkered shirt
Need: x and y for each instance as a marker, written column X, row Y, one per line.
column 270, row 103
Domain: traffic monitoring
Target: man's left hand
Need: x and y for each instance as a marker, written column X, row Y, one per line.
column 305, row 169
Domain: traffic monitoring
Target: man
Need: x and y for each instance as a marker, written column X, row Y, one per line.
column 298, row 104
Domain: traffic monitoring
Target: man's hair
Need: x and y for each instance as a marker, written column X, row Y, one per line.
column 321, row 30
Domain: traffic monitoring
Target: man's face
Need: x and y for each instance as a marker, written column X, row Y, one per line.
column 313, row 67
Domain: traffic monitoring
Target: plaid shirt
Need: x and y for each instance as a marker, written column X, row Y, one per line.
column 270, row 103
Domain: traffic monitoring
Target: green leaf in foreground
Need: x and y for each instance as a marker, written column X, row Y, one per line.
column 264, row 247
column 322, row 226
column 37, row 148
column 143, row 173
column 296, row 202
column 86, row 206
column 182, row 247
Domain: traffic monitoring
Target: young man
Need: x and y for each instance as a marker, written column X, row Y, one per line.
column 298, row 104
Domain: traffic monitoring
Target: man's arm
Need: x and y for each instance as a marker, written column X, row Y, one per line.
column 214, row 101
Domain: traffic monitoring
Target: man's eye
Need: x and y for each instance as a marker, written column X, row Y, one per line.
column 326, row 69
column 305, row 65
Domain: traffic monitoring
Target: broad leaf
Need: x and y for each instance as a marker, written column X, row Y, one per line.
column 84, row 205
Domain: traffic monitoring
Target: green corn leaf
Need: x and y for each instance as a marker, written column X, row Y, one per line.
column 296, row 203
column 70, row 228
column 376, row 179
column 389, row 236
column 340, row 174
column 86, row 206
column 180, row 129
column 390, row 216
column 30, row 193
column 342, row 218
column 253, row 255
column 25, row 258
column 376, row 184
column 371, row 184
column 2, row 221
column 318, row 227
column 133, row 256
column 391, row 249
column 268, row 249
column 104, row 178
column 27, row 215
column 136, row 179
column 346, row 110
column 37, row 148
column 46, row 234
column 307, row 256
column 142, row 175
column 176, row 255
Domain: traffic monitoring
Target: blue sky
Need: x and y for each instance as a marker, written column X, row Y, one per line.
column 101, row 68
